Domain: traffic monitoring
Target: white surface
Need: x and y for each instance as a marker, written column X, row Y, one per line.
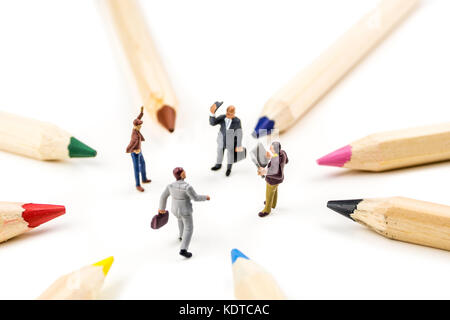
column 58, row 63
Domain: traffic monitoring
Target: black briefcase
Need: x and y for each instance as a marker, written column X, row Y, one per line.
column 241, row 155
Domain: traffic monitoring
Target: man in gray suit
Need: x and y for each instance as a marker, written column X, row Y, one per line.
column 229, row 137
column 182, row 193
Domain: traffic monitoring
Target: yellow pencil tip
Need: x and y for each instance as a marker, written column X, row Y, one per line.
column 106, row 264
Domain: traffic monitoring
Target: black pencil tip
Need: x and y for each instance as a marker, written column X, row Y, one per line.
column 344, row 207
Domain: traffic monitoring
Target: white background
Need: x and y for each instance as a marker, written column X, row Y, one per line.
column 59, row 62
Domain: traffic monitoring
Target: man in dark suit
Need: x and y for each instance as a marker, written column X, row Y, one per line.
column 229, row 137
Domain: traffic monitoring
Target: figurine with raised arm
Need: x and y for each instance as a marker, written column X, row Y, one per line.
column 182, row 194
column 274, row 173
column 229, row 137
column 134, row 147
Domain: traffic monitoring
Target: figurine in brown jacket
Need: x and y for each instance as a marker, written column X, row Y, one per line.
column 136, row 153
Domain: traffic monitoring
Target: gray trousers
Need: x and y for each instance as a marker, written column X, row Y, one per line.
column 186, row 227
column 230, row 154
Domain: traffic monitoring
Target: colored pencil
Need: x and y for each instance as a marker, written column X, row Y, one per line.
column 291, row 102
column 251, row 282
column 403, row 219
column 17, row 218
column 83, row 284
column 394, row 149
column 39, row 140
column 153, row 83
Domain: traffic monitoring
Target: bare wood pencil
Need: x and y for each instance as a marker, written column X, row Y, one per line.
column 83, row 284
column 399, row 218
column 252, row 282
column 153, row 83
column 292, row 101
column 394, row 149
column 39, row 140
column 17, row 218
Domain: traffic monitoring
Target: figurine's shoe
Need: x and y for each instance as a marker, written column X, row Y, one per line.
column 228, row 170
column 180, row 238
column 140, row 189
column 263, row 214
column 216, row 167
column 185, row 253
column 146, row 181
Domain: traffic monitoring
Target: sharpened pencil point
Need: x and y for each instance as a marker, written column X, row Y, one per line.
column 166, row 116
column 337, row 158
column 235, row 254
column 344, row 207
column 37, row 214
column 263, row 127
column 106, row 264
column 78, row 149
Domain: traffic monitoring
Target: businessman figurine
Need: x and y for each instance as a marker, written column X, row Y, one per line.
column 182, row 193
column 229, row 137
column 136, row 153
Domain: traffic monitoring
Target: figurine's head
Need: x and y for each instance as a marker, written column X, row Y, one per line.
column 138, row 123
column 231, row 110
column 179, row 173
column 275, row 147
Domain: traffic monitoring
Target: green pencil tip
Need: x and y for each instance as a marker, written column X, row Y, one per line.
column 78, row 149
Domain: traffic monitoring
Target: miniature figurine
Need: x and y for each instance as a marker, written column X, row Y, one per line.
column 229, row 137
column 274, row 176
column 182, row 193
column 136, row 152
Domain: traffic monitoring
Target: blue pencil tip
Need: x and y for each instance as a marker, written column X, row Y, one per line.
column 235, row 253
column 263, row 127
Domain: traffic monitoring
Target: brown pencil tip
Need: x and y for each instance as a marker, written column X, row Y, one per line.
column 166, row 116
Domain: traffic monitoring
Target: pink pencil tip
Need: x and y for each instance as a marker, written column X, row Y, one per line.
column 337, row 158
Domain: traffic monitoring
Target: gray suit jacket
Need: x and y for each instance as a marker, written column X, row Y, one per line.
column 182, row 193
column 230, row 138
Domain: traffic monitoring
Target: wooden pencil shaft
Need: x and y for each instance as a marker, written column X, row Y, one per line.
column 302, row 92
column 33, row 138
column 84, row 284
column 251, row 282
column 401, row 148
column 11, row 222
column 407, row 220
column 150, row 76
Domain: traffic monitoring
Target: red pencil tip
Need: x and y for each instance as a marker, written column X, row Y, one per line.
column 37, row 214
column 337, row 158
